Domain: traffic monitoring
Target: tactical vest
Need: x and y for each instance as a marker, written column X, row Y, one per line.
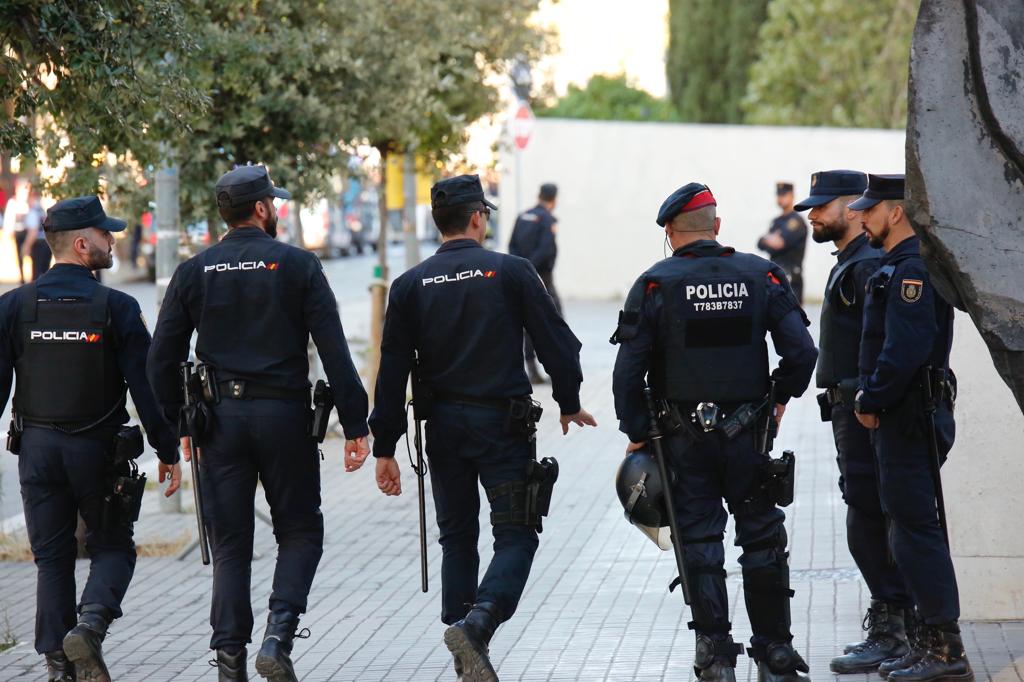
column 841, row 324
column 65, row 364
column 714, row 318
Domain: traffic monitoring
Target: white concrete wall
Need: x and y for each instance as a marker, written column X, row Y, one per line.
column 982, row 481
column 613, row 176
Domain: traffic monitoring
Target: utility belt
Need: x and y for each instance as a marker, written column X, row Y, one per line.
column 121, row 506
column 206, row 390
column 729, row 419
column 842, row 395
column 530, row 498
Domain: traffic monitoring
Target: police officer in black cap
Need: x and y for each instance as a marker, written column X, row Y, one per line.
column 786, row 240
column 78, row 348
column 906, row 398
column 533, row 238
column 255, row 302
column 462, row 313
column 842, row 313
column 693, row 328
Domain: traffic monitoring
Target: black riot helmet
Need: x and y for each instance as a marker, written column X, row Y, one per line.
column 641, row 492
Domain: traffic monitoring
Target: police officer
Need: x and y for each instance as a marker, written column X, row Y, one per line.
column 463, row 312
column 533, row 238
column 77, row 348
column 904, row 362
column 694, row 326
column 841, row 320
column 786, row 240
column 255, row 303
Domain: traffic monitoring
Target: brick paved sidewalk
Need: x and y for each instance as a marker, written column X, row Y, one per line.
column 596, row 607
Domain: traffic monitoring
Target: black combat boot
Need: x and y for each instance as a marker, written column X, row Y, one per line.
column 274, row 661
column 58, row 667
column 886, row 640
column 231, row 667
column 944, row 658
column 468, row 640
column 84, row 644
column 914, row 645
column 715, row 659
column 779, row 662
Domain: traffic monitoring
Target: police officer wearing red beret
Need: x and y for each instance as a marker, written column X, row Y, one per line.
column 693, row 329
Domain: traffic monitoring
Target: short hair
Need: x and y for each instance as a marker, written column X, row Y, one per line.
column 453, row 220
column 548, row 191
column 60, row 241
column 233, row 215
column 700, row 220
column 893, row 203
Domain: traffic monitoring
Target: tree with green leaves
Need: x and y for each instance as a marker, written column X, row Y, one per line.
column 610, row 98
column 833, row 62
column 711, row 47
column 81, row 79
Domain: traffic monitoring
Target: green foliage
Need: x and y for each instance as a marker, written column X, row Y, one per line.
column 833, row 62
column 610, row 98
column 711, row 47
column 79, row 78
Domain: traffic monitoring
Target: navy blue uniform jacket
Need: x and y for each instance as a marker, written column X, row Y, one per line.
column 533, row 238
column 255, row 302
column 906, row 326
column 131, row 342
column 464, row 310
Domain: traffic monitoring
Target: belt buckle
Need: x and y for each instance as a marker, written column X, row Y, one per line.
column 237, row 389
column 706, row 416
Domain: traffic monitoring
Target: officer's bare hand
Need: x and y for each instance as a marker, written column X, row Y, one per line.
column 633, row 447
column 773, row 241
column 172, row 471
column 389, row 478
column 186, row 448
column 356, row 451
column 868, row 421
column 581, row 418
column 780, row 410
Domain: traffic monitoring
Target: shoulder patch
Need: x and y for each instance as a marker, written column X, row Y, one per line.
column 793, row 224
column 911, row 290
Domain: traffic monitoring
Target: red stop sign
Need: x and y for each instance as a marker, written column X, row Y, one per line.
column 522, row 125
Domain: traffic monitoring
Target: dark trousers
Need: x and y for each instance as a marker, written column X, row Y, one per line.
column 908, row 498
column 707, row 471
column 19, row 242
column 61, row 477
column 549, row 282
column 866, row 527
column 466, row 444
column 266, row 441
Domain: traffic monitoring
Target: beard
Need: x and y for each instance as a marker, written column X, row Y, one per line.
column 99, row 258
column 828, row 232
column 271, row 227
column 878, row 241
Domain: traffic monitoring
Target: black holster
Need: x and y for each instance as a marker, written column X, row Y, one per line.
column 210, row 391
column 121, row 507
column 127, row 445
column 323, row 401
column 529, row 500
column 775, row 486
column 14, row 434
column 522, row 416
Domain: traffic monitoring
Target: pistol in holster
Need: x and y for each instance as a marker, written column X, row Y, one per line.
column 775, row 486
column 14, row 434
column 122, row 505
column 323, row 401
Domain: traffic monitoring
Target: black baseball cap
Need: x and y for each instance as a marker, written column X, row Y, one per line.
column 245, row 184
column 461, row 189
column 880, row 188
column 78, row 214
column 828, row 185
